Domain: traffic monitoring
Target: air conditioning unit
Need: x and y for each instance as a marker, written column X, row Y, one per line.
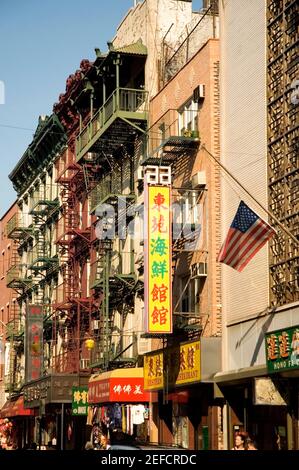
column 199, row 180
column 198, row 270
column 84, row 363
column 198, row 93
column 95, row 325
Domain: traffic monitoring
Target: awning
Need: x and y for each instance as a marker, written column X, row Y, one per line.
column 178, row 397
column 119, row 385
column 15, row 408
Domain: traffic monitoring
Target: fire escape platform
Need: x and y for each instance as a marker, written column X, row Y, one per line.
column 124, row 108
column 171, row 149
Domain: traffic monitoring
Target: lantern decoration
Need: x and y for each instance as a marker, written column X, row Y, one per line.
column 89, row 343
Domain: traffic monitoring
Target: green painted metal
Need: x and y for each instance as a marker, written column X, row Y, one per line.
column 16, row 228
column 15, row 278
column 124, row 103
column 137, row 48
column 48, row 140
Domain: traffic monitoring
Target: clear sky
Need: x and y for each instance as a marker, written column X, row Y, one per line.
column 41, row 44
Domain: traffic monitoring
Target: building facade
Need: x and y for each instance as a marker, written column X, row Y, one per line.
column 258, row 41
column 78, row 273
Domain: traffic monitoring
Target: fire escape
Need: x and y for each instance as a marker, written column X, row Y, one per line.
column 283, row 160
column 19, row 281
column 113, row 135
column 72, row 303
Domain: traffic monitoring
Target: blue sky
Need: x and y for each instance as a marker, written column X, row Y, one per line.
column 41, row 43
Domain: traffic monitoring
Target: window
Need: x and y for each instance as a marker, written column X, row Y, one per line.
column 188, row 119
column 191, row 296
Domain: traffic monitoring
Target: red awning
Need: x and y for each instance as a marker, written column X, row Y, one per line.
column 119, row 385
column 15, row 408
column 179, row 397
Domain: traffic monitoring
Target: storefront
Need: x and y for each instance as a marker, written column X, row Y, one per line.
column 263, row 400
column 118, row 406
column 15, row 423
column 185, row 411
column 51, row 400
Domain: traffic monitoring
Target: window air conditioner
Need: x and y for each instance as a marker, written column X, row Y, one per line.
column 198, row 270
column 198, row 93
column 198, row 180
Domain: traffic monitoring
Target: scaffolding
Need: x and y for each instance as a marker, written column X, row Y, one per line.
column 283, row 159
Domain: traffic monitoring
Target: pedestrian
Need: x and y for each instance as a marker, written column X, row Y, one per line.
column 251, row 444
column 104, row 442
column 88, row 445
column 240, row 442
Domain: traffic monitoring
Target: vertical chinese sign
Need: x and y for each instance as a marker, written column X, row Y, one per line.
column 34, row 342
column 79, row 401
column 158, row 257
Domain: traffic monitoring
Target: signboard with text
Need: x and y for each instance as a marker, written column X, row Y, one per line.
column 79, row 401
column 158, row 260
column 178, row 365
column 117, row 389
column 34, row 342
column 282, row 349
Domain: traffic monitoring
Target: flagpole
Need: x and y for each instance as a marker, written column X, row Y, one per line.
column 252, row 197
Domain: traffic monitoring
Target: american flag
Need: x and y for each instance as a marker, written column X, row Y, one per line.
column 246, row 235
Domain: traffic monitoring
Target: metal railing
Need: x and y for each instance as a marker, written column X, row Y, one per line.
column 109, row 185
column 16, row 275
column 44, row 198
column 127, row 100
column 169, row 126
column 121, row 264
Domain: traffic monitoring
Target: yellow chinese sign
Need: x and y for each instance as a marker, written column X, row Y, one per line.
column 181, row 365
column 153, row 371
column 158, row 295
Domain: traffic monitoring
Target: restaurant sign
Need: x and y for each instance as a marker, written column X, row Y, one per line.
column 79, row 401
column 117, row 389
column 174, row 366
column 157, row 255
column 282, row 349
column 34, row 343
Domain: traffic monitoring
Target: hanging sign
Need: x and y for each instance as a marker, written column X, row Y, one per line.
column 158, row 260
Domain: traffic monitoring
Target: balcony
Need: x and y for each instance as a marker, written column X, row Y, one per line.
column 45, row 201
column 109, row 189
column 16, row 278
column 126, row 106
column 169, row 139
column 120, row 268
column 12, row 383
column 40, row 259
column 14, row 328
column 17, row 229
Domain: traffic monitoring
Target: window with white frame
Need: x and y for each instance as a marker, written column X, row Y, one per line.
column 188, row 119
